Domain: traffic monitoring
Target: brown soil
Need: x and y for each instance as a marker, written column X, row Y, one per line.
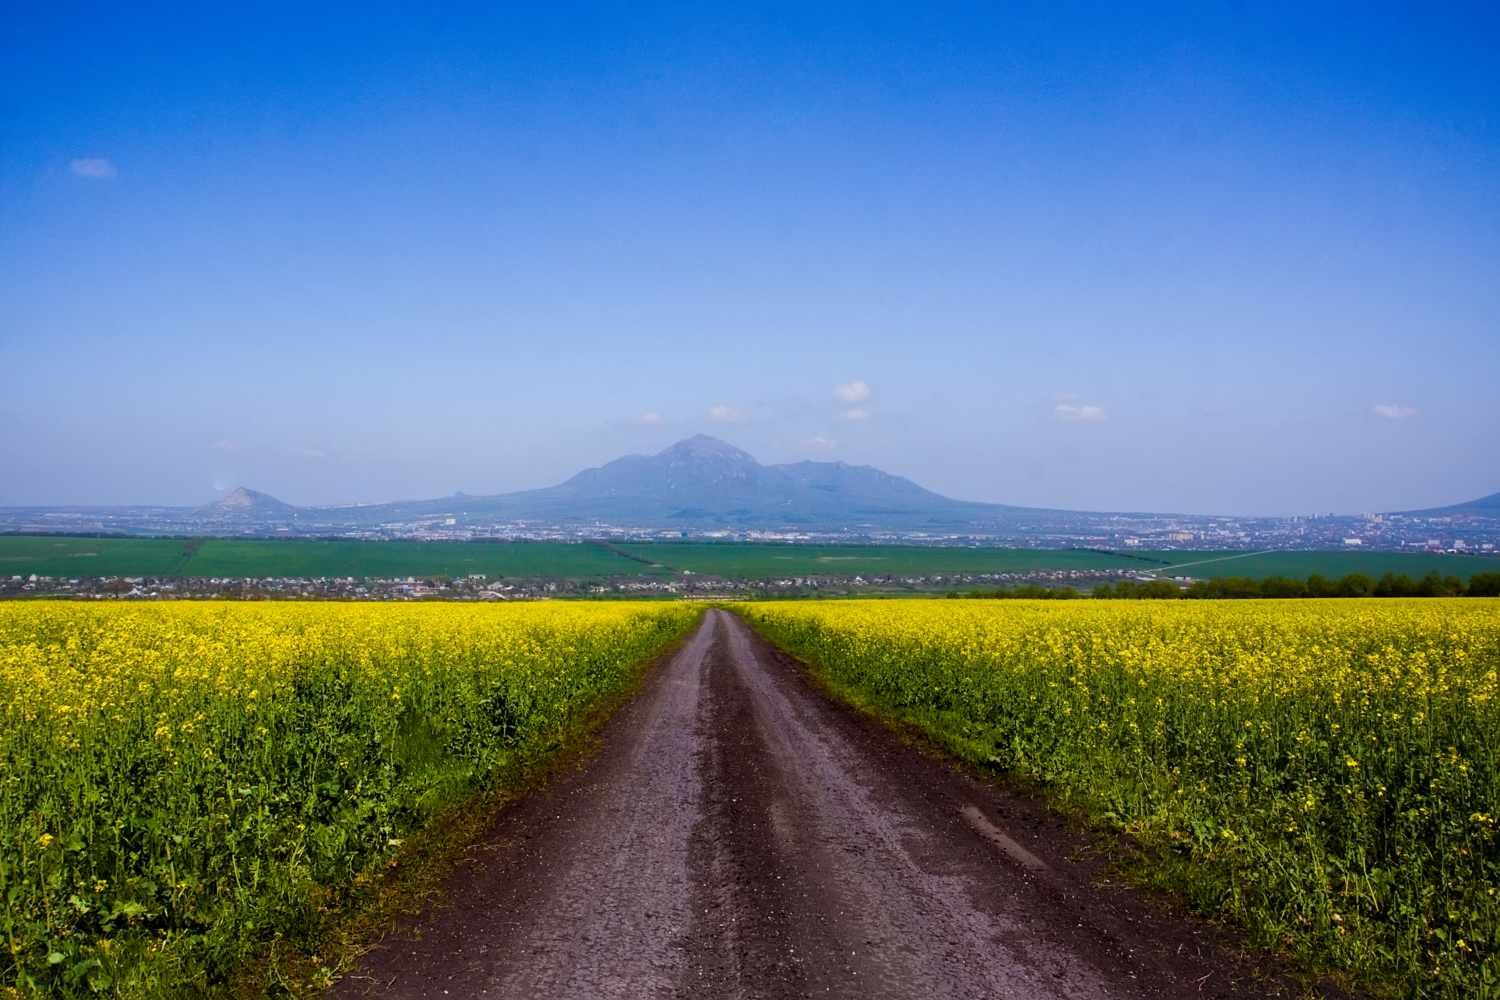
column 741, row 834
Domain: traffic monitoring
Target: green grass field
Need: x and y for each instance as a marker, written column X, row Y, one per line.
column 759, row 561
column 418, row 559
column 69, row 557
column 1301, row 565
column 743, row 560
column 76, row 557
column 83, row 557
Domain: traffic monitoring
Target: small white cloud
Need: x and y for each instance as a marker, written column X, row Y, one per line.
column 819, row 443
column 1067, row 411
column 652, row 419
column 851, row 392
column 855, row 415
column 223, row 444
column 357, row 456
column 727, row 415
column 94, row 170
column 1395, row 411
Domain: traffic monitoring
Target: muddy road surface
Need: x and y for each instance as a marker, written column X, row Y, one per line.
column 740, row 834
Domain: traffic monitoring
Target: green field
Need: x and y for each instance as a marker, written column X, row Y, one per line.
column 69, row 557
column 758, row 561
column 75, row 557
column 1301, row 565
column 418, row 559
column 84, row 557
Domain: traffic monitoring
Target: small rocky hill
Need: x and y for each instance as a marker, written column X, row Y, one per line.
column 249, row 504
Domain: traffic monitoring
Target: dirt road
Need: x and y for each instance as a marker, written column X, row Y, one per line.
column 742, row 835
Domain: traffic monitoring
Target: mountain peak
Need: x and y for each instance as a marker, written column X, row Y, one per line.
column 239, row 498
column 247, row 501
column 705, row 462
column 701, row 446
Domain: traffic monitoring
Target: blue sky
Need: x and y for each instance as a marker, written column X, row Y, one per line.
column 1225, row 259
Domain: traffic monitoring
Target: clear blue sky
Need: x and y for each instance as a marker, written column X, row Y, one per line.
column 1210, row 258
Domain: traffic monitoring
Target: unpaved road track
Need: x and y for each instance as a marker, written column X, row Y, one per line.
column 742, row 835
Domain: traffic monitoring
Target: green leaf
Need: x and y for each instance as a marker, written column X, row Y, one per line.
column 81, row 969
column 130, row 909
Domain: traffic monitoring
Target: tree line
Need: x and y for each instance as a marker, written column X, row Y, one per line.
column 1239, row 587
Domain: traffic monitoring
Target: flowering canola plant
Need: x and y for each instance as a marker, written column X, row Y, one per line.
column 1325, row 772
column 180, row 781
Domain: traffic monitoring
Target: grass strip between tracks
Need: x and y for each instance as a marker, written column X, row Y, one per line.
column 1323, row 776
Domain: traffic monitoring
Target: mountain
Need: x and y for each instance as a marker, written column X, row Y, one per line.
column 703, row 482
column 703, row 485
column 244, row 503
column 1483, row 507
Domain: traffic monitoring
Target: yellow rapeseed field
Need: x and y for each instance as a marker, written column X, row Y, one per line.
column 180, row 780
column 1326, row 772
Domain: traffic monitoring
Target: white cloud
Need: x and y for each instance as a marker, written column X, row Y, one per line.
column 358, row 456
column 94, row 170
column 855, row 415
column 223, row 444
column 727, row 415
column 652, row 419
column 851, row 392
column 819, row 442
column 1395, row 411
column 1067, row 411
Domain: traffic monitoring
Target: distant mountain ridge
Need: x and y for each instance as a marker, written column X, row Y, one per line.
column 1483, row 507
column 698, row 485
column 703, row 482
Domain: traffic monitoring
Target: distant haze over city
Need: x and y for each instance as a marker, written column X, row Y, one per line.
column 1196, row 258
column 702, row 487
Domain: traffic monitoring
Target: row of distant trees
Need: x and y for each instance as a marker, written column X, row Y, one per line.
column 1233, row 587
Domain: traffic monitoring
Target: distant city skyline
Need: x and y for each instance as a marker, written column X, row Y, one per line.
column 1191, row 259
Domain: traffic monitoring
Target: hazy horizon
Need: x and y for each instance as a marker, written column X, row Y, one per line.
column 1191, row 260
column 367, row 502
